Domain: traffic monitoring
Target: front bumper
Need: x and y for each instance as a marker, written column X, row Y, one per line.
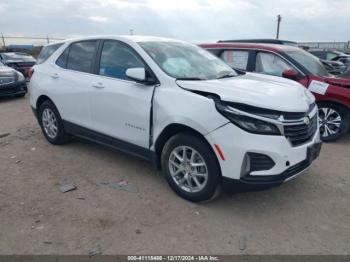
column 287, row 175
column 289, row 161
column 17, row 88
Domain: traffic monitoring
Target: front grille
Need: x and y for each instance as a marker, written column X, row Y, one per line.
column 298, row 115
column 259, row 162
column 301, row 133
column 6, row 80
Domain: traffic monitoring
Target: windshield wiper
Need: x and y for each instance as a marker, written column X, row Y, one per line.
column 189, row 78
column 226, row 76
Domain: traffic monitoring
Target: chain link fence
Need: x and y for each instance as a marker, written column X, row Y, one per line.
column 340, row 46
column 28, row 44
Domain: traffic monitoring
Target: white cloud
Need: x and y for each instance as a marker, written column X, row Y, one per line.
column 186, row 19
column 99, row 19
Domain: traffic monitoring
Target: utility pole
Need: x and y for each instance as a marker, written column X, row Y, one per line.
column 279, row 19
column 3, row 40
column 48, row 39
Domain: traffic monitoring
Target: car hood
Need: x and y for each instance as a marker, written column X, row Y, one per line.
column 6, row 71
column 338, row 80
column 21, row 60
column 257, row 90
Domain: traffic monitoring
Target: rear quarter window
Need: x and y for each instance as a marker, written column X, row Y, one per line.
column 79, row 56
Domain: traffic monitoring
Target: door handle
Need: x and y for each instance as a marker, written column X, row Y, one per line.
column 98, row 85
column 55, row 76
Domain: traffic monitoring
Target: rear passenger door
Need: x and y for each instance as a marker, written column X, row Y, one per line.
column 120, row 107
column 71, row 82
column 237, row 59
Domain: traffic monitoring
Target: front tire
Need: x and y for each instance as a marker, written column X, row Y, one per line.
column 191, row 167
column 51, row 124
column 333, row 120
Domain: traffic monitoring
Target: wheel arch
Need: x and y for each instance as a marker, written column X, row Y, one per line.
column 336, row 102
column 41, row 99
column 173, row 129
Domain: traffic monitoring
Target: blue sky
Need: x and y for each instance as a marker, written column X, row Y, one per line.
column 193, row 20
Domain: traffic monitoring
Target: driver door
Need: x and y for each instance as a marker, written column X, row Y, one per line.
column 120, row 108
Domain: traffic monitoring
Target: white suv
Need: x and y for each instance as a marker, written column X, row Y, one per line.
column 174, row 103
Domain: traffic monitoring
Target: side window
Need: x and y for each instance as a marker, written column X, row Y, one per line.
column 236, row 58
column 270, row 64
column 116, row 58
column 46, row 52
column 81, row 56
column 62, row 60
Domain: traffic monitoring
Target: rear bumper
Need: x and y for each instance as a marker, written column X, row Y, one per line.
column 14, row 89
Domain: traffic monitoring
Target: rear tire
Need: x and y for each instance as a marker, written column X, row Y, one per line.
column 333, row 120
column 191, row 168
column 51, row 124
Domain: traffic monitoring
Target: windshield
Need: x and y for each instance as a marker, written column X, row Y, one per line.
column 186, row 61
column 309, row 61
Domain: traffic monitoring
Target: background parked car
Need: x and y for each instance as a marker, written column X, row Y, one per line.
column 345, row 59
column 21, row 62
column 333, row 67
column 346, row 74
column 329, row 59
column 332, row 93
column 12, row 82
column 325, row 54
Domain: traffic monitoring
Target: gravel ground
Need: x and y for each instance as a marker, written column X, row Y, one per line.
column 309, row 215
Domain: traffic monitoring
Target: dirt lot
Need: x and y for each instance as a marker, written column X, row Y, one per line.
column 309, row 215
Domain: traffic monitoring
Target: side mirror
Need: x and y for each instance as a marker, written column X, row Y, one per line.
column 140, row 75
column 137, row 73
column 290, row 74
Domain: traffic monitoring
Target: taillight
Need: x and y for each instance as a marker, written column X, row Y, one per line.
column 30, row 72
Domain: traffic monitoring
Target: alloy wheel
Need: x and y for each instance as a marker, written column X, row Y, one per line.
column 188, row 169
column 49, row 121
column 330, row 121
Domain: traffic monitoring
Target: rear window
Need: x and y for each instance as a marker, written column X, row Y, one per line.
column 79, row 56
column 236, row 58
column 46, row 52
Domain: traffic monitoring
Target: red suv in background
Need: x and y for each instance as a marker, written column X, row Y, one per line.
column 332, row 93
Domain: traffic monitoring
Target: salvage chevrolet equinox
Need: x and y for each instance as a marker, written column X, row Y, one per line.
column 176, row 104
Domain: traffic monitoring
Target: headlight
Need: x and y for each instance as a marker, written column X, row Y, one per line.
column 20, row 77
column 247, row 123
